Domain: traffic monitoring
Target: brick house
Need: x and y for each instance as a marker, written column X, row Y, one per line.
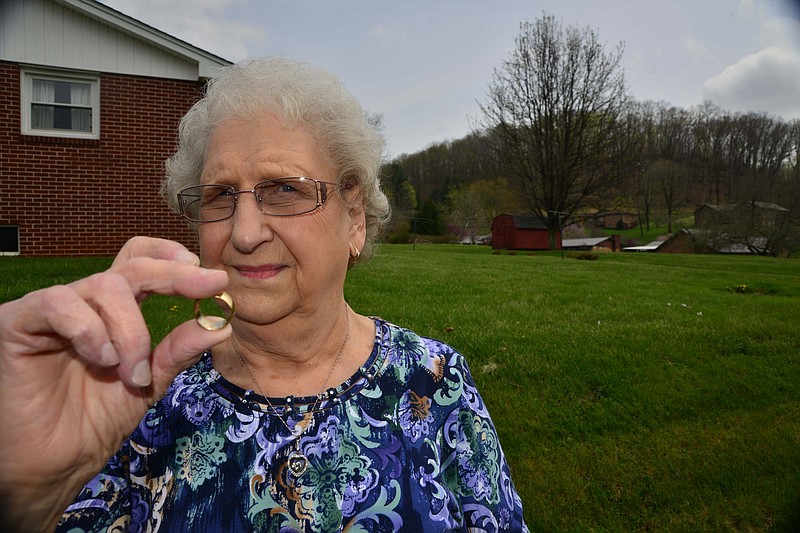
column 615, row 219
column 90, row 101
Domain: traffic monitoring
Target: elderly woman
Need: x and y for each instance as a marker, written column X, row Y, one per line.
column 301, row 415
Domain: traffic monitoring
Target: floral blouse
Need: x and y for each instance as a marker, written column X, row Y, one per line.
column 405, row 444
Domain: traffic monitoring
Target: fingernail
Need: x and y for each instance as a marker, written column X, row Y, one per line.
column 185, row 256
column 141, row 374
column 108, row 355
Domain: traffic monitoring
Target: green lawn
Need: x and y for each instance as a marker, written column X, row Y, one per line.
column 637, row 392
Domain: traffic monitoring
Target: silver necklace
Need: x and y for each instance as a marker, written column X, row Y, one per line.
column 297, row 461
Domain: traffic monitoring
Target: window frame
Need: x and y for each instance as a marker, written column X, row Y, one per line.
column 28, row 74
column 13, row 228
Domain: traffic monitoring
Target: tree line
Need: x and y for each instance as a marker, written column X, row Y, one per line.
column 560, row 136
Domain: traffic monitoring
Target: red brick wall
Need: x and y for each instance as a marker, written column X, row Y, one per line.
column 87, row 197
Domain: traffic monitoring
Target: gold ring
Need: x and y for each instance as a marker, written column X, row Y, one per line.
column 213, row 323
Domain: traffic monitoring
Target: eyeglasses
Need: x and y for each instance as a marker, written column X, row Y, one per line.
column 280, row 197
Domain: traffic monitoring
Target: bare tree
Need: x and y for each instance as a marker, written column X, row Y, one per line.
column 765, row 152
column 644, row 186
column 711, row 132
column 554, row 108
column 670, row 169
column 791, row 185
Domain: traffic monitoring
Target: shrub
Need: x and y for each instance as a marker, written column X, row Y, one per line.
column 584, row 256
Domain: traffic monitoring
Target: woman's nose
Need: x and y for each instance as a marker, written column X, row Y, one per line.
column 251, row 227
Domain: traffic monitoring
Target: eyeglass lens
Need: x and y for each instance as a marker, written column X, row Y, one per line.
column 279, row 197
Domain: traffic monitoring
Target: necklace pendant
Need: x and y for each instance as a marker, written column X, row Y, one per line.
column 298, row 463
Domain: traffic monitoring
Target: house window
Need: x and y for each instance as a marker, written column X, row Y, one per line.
column 9, row 240
column 60, row 105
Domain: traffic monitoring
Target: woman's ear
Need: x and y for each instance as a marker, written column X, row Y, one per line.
column 358, row 225
column 358, row 219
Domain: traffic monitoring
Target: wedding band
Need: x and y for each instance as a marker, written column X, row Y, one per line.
column 213, row 323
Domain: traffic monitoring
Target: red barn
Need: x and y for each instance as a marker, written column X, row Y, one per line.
column 520, row 232
column 90, row 101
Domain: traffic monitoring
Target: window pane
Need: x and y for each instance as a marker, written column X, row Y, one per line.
column 62, row 92
column 81, row 119
column 9, row 239
column 80, row 94
column 62, row 118
column 42, row 116
column 43, row 91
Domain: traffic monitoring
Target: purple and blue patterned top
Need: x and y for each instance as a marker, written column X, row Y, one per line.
column 405, row 444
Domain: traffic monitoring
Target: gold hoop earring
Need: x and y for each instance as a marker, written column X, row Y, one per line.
column 355, row 253
column 214, row 323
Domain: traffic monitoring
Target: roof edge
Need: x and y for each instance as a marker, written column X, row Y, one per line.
column 207, row 62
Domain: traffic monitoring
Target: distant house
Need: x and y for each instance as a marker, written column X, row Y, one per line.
column 693, row 241
column 606, row 244
column 763, row 214
column 682, row 242
column 615, row 219
column 90, row 101
column 520, row 232
column 478, row 239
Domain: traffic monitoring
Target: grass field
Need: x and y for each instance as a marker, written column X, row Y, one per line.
column 636, row 392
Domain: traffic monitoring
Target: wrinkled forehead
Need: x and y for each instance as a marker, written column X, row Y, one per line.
column 252, row 148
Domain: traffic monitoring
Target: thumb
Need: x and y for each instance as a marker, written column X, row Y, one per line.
column 180, row 349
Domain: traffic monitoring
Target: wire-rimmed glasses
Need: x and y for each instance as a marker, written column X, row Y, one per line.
column 280, row 197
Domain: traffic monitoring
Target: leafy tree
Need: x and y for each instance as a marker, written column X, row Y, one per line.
column 554, row 108
column 401, row 194
column 467, row 211
column 428, row 219
column 474, row 206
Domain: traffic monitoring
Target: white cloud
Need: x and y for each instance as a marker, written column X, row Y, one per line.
column 767, row 81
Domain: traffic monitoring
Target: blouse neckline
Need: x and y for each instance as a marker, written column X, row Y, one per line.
column 333, row 396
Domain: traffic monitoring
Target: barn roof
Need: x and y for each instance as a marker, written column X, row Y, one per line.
column 528, row 222
column 760, row 205
column 653, row 246
column 576, row 243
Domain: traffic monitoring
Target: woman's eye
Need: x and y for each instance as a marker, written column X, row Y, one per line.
column 212, row 195
column 285, row 187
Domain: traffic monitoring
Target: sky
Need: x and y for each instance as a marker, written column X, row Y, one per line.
column 426, row 65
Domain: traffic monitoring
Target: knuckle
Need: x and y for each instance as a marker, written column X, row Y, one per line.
column 104, row 283
column 131, row 264
column 135, row 242
column 65, row 310
column 55, row 299
column 112, row 281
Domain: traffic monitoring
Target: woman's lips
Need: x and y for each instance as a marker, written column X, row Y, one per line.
column 258, row 271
